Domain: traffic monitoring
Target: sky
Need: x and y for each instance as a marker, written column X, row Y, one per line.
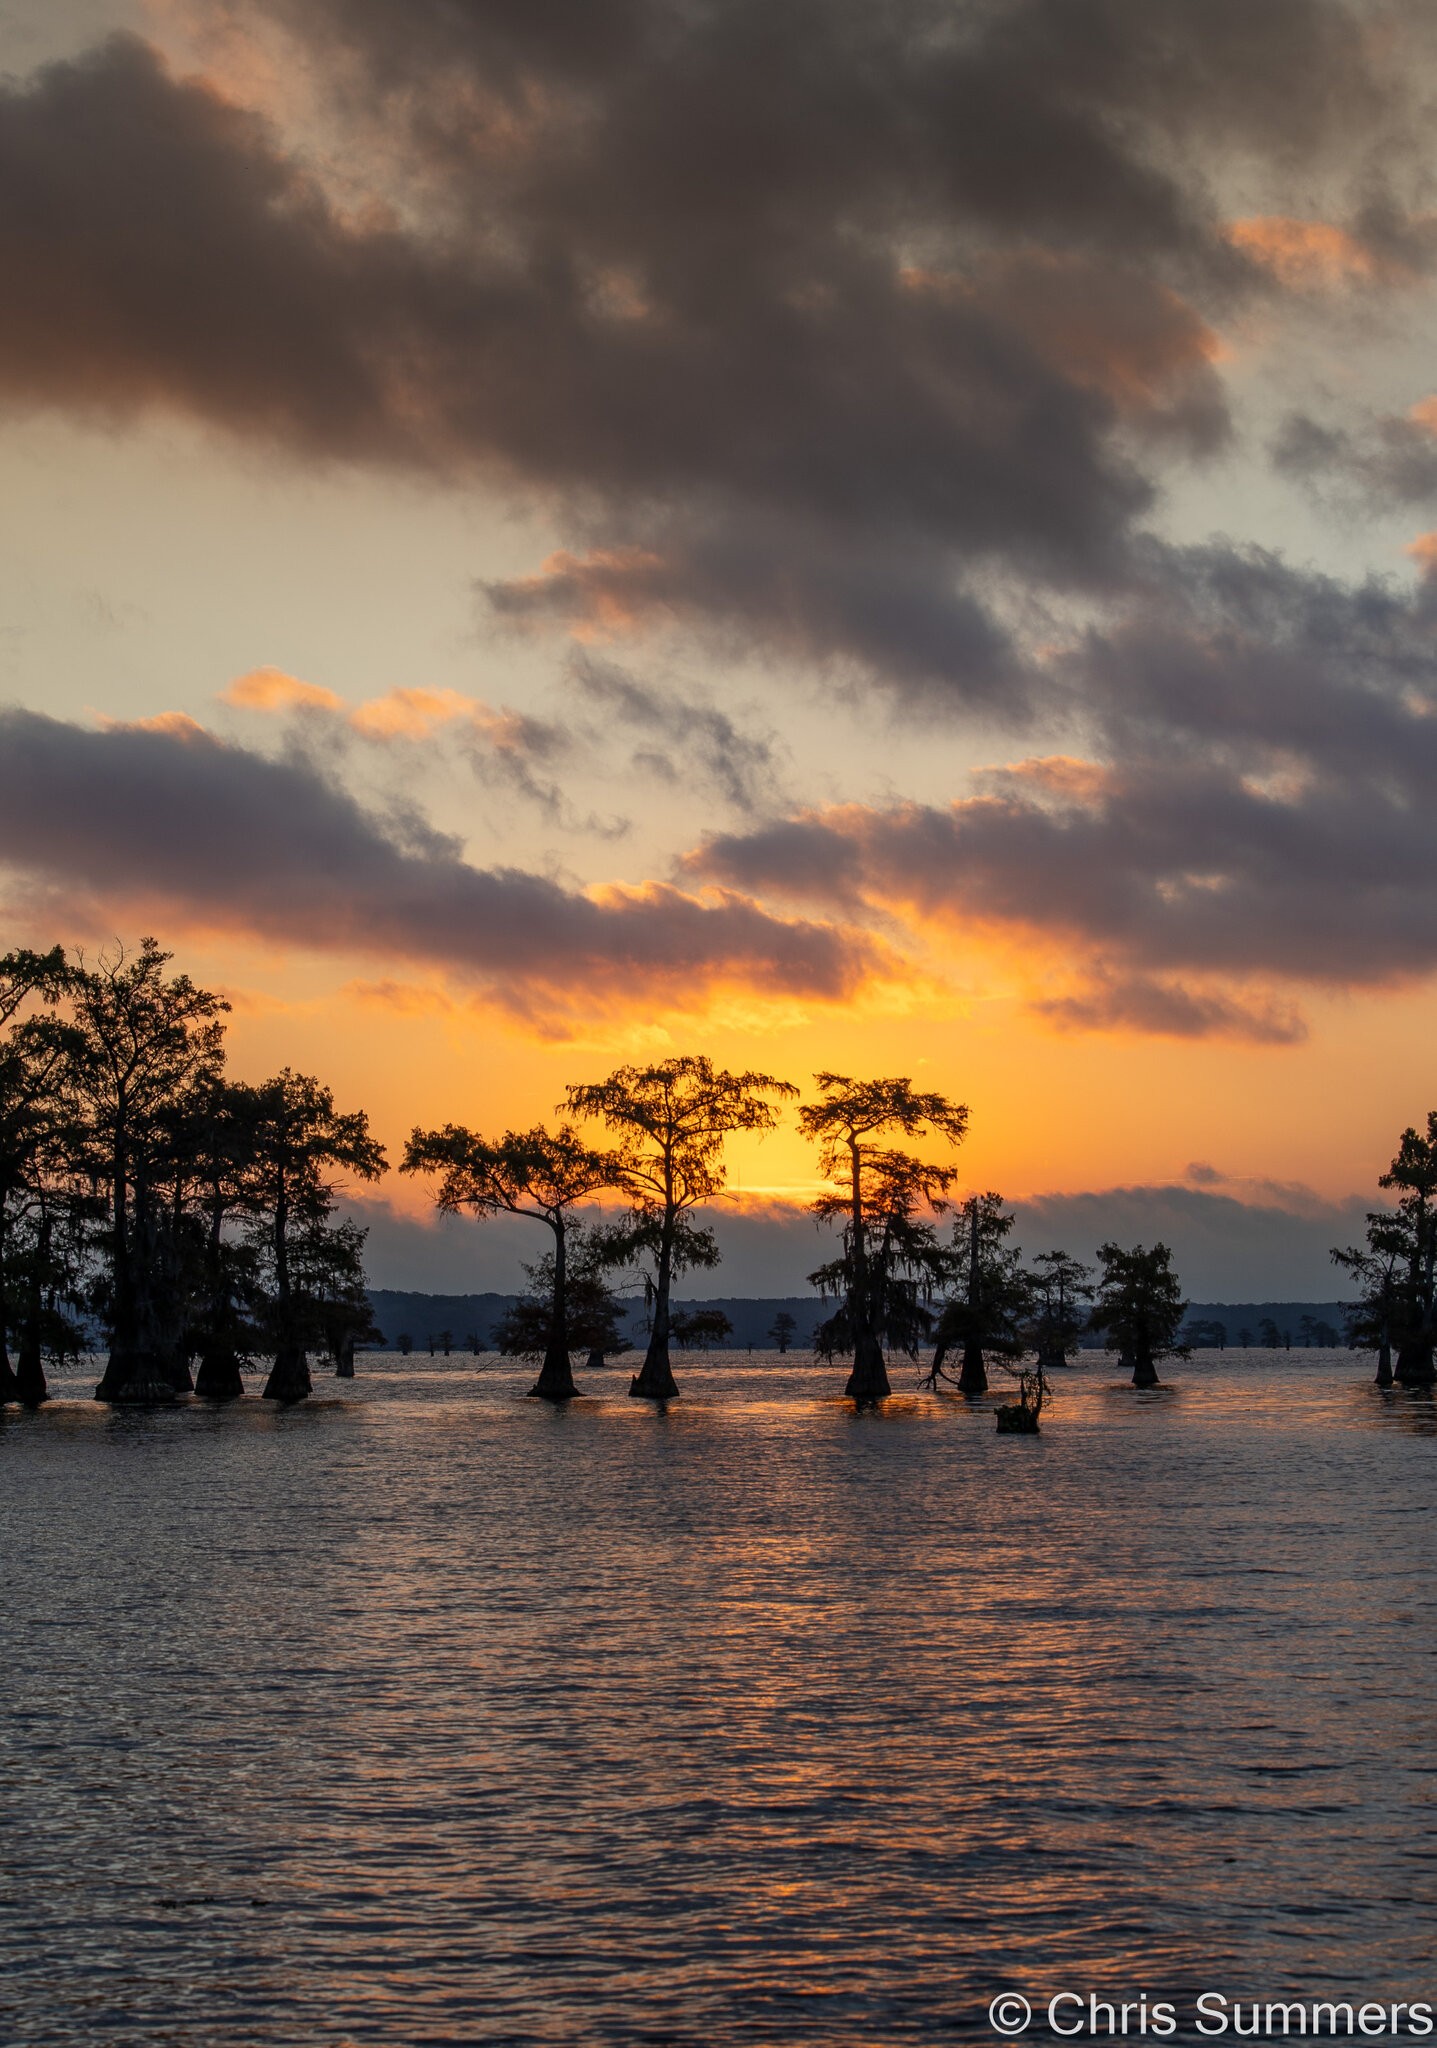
column 540, row 534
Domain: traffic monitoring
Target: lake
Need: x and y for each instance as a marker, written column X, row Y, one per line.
column 424, row 1713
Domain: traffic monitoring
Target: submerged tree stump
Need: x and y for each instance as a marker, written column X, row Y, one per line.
column 1016, row 1418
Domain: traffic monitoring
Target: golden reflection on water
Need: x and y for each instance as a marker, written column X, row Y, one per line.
column 754, row 1721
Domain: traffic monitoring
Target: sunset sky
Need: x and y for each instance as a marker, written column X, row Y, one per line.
column 543, row 533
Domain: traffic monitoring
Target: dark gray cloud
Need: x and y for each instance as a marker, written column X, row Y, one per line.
column 1262, row 805
column 1379, row 463
column 800, row 321
column 1257, row 1245
column 684, row 739
column 173, row 823
column 853, row 607
column 1165, row 1009
column 1225, row 1248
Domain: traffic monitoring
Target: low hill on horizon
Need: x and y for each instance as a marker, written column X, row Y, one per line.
column 420, row 1317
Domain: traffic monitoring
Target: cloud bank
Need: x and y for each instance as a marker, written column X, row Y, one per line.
column 173, row 824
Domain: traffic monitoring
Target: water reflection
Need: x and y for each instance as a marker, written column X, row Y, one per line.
column 429, row 1714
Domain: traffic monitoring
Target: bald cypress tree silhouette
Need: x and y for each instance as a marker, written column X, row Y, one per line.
column 300, row 1141
column 1062, row 1292
column 1140, row 1305
column 538, row 1173
column 882, row 1196
column 140, row 1041
column 36, row 1134
column 673, row 1120
column 989, row 1307
column 1395, row 1271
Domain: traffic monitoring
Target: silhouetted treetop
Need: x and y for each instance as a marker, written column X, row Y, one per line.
column 674, row 1117
column 854, row 1110
column 526, row 1173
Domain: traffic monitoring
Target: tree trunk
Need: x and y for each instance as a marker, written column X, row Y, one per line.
column 973, row 1379
column 135, row 1379
column 135, row 1374
column 654, row 1381
column 1415, row 1363
column 556, row 1377
column 289, row 1379
column 344, row 1363
column 1145, row 1373
column 595, row 1360
column 9, row 1386
column 30, row 1384
column 868, row 1381
column 219, row 1378
column 1384, row 1360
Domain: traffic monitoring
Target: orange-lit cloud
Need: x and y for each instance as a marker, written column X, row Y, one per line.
column 270, row 689
column 1305, row 255
column 411, row 714
column 176, row 725
column 400, row 714
column 601, row 595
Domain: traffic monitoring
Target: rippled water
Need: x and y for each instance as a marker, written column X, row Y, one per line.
column 424, row 1713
